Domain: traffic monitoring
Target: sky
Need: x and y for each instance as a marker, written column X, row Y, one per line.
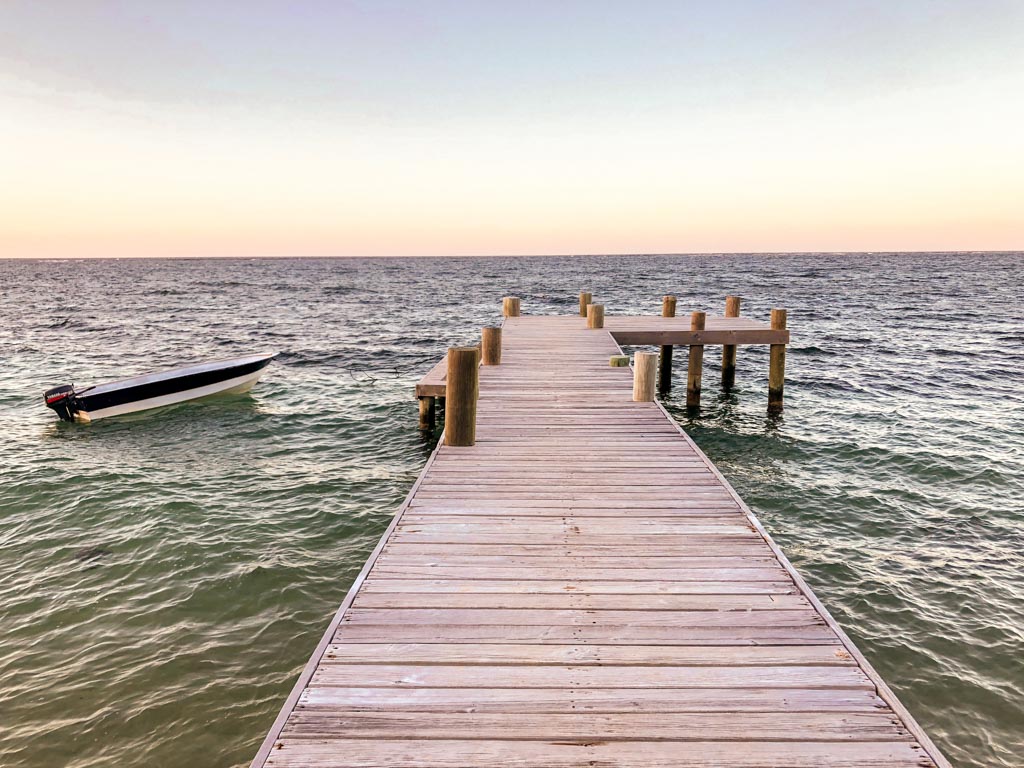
column 475, row 127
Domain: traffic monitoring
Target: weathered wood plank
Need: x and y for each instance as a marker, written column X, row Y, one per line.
column 566, row 538
column 540, row 700
column 688, row 508
column 570, row 572
column 652, row 553
column 605, row 634
column 460, row 753
column 683, row 507
column 575, row 526
column 576, row 655
column 509, row 676
column 654, row 586
column 542, row 601
column 406, row 558
column 588, row 727
column 553, row 617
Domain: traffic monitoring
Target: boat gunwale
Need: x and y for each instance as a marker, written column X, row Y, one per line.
column 153, row 377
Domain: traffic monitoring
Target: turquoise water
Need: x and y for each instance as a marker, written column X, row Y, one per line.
column 164, row 577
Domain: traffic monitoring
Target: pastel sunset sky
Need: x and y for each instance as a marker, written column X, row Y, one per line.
column 335, row 128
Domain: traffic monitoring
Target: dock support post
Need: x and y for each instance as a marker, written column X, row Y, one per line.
column 695, row 367
column 428, row 412
column 776, row 364
column 668, row 309
column 510, row 306
column 644, row 367
column 595, row 315
column 461, row 395
column 490, row 345
column 585, row 300
column 732, row 309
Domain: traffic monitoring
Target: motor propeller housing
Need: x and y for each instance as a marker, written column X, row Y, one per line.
column 62, row 399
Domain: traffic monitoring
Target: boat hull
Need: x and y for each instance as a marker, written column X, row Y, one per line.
column 237, row 385
column 157, row 390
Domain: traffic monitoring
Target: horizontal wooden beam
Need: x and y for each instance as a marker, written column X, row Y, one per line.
column 431, row 390
column 434, row 384
column 687, row 337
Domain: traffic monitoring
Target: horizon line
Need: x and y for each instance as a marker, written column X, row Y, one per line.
column 634, row 255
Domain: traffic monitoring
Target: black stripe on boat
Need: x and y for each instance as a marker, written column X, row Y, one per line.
column 67, row 402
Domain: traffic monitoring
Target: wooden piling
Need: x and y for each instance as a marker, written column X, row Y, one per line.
column 618, row 361
column 463, row 386
column 595, row 315
column 510, row 306
column 732, row 309
column 776, row 364
column 585, row 300
column 668, row 309
column 428, row 413
column 695, row 366
column 490, row 345
column 644, row 368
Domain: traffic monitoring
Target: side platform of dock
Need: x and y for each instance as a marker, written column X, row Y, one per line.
column 582, row 587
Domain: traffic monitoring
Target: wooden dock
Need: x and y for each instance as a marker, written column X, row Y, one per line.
column 583, row 588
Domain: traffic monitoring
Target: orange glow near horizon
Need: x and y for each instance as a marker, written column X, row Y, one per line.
column 937, row 163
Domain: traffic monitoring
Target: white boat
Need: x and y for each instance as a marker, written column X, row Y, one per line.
column 154, row 390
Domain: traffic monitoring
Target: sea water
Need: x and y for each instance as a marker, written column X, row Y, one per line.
column 164, row 576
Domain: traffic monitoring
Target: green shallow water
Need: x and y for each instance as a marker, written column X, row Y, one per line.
column 164, row 577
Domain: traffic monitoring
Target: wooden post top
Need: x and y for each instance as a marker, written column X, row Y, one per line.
column 461, row 396
column 586, row 298
column 668, row 306
column 490, row 345
column 644, row 366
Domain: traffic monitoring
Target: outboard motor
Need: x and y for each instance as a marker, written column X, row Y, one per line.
column 63, row 401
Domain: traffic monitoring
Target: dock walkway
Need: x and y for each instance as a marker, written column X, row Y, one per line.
column 583, row 588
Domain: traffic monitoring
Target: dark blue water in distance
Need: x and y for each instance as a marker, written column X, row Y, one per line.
column 163, row 578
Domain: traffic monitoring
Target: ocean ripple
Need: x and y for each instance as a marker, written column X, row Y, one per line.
column 164, row 577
